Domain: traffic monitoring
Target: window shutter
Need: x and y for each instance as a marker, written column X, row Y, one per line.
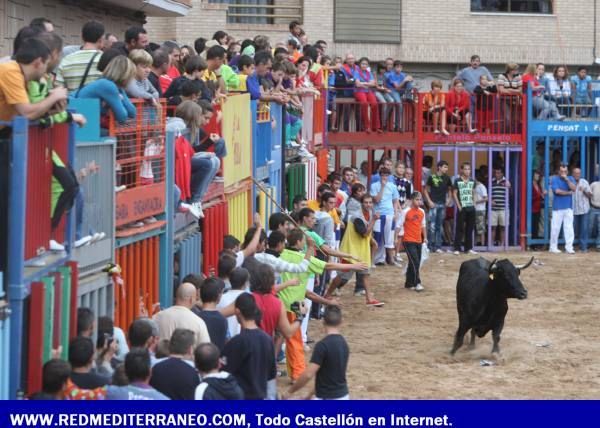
column 367, row 21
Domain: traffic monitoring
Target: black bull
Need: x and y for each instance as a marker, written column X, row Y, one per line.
column 481, row 294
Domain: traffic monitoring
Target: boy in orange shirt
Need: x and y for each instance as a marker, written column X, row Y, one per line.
column 415, row 235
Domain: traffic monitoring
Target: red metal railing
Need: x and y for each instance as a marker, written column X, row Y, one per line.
column 214, row 227
column 140, row 273
column 140, row 163
column 42, row 141
column 496, row 118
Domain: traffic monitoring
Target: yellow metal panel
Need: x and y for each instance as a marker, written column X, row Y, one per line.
column 237, row 131
column 239, row 223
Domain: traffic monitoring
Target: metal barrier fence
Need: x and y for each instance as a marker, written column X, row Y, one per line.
column 5, row 344
column 352, row 116
column 295, row 183
column 239, row 203
column 187, row 253
column 41, row 143
column 566, row 99
column 214, row 227
column 98, row 204
column 49, row 323
column 139, row 262
column 97, row 292
column 140, row 157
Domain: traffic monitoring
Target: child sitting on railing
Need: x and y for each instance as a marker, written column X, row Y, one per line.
column 434, row 108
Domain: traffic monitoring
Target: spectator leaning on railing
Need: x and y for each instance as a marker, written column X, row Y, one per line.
column 543, row 108
column 30, row 64
column 72, row 69
column 110, row 90
column 559, row 90
column 140, row 86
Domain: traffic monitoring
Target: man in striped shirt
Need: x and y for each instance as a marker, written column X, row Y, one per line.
column 71, row 69
column 500, row 189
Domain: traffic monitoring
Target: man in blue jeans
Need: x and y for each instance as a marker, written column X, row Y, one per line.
column 438, row 190
column 581, row 209
column 401, row 86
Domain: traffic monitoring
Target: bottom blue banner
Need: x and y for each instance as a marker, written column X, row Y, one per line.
column 254, row 414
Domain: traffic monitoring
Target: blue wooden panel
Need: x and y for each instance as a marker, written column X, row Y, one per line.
column 4, row 348
column 90, row 108
column 189, row 255
column 261, row 145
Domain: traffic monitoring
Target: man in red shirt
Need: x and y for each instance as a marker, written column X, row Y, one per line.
column 415, row 235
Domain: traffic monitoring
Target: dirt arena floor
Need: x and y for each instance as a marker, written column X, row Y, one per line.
column 550, row 345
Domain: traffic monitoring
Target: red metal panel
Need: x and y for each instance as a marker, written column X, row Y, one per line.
column 140, row 272
column 39, row 173
column 35, row 342
column 57, row 330
column 73, row 306
column 215, row 227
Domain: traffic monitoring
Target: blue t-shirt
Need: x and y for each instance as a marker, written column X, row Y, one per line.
column 581, row 86
column 561, row 202
column 471, row 76
column 253, row 86
column 386, row 204
column 391, row 78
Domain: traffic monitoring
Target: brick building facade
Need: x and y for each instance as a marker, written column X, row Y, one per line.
column 69, row 15
column 431, row 31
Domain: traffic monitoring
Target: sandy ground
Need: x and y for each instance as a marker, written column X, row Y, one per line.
column 550, row 345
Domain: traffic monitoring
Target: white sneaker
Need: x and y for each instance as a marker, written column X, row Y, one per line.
column 150, row 220
column 83, row 241
column 196, row 209
column 570, row 251
column 473, row 252
column 439, row 251
column 419, row 287
column 456, row 253
column 398, row 258
column 55, row 246
column 554, row 251
column 98, row 236
column 120, row 188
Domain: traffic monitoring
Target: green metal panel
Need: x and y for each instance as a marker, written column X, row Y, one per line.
column 372, row 21
column 48, row 317
column 296, row 179
column 65, row 304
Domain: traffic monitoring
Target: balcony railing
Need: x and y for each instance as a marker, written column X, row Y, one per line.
column 262, row 11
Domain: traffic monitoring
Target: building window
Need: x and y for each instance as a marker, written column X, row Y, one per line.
column 364, row 21
column 262, row 11
column 512, row 6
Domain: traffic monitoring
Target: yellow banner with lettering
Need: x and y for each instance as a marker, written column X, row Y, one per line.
column 237, row 132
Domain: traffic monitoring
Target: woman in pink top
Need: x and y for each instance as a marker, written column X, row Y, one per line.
column 274, row 315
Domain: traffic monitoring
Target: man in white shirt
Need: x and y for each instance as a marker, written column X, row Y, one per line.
column 581, row 209
column 595, row 212
column 181, row 316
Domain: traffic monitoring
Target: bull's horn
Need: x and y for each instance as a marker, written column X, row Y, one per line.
column 526, row 265
column 492, row 265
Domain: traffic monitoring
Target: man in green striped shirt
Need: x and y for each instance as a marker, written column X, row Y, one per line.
column 72, row 68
